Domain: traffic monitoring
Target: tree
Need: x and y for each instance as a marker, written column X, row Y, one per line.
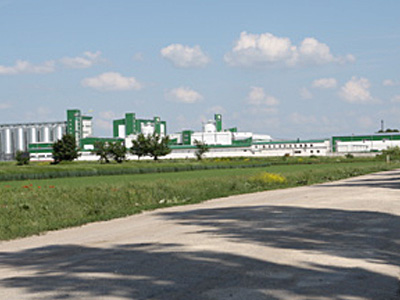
column 102, row 149
column 118, row 151
column 201, row 149
column 22, row 158
column 391, row 153
column 158, row 146
column 65, row 149
column 140, row 146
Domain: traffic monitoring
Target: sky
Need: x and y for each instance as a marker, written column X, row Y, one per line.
column 290, row 69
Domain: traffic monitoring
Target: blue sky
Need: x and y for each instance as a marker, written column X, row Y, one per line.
column 291, row 69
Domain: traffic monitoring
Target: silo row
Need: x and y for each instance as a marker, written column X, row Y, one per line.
column 19, row 136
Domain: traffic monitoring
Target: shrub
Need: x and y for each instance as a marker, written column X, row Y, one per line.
column 22, row 158
column 266, row 178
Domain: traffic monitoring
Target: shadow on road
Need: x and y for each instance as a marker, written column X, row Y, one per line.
column 166, row 271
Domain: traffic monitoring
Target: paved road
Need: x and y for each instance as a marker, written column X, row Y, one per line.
column 332, row 241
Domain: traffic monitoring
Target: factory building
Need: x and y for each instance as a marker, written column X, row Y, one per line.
column 214, row 135
column 38, row 138
column 78, row 125
column 18, row 137
column 365, row 143
column 130, row 126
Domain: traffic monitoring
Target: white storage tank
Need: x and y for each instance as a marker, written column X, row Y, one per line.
column 46, row 134
column 20, row 139
column 32, row 135
column 59, row 132
column 210, row 127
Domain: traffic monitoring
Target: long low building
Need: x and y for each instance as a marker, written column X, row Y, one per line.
column 365, row 143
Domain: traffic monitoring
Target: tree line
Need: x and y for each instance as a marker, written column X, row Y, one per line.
column 153, row 145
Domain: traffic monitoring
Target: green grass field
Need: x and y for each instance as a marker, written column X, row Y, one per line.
column 33, row 206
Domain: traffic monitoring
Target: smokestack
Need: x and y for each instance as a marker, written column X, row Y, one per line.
column 382, row 126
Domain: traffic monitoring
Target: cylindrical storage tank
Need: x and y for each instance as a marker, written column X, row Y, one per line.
column 59, row 132
column 20, row 139
column 2, row 141
column 46, row 134
column 7, row 141
column 210, row 127
column 32, row 135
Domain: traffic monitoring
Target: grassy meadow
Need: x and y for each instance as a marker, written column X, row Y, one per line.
column 30, row 207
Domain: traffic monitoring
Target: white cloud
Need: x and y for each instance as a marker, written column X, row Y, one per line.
column 305, row 93
column 258, row 50
column 5, row 105
column 184, row 56
column 112, row 81
column 390, row 82
column 87, row 60
column 184, row 95
column 298, row 118
column 216, row 110
column 107, row 115
column 325, row 83
column 356, row 90
column 25, row 67
column 103, row 124
column 138, row 56
column 396, row 99
column 257, row 96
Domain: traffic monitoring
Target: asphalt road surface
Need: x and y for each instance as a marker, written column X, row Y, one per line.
column 339, row 241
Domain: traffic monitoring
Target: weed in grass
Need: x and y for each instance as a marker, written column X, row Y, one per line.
column 266, row 178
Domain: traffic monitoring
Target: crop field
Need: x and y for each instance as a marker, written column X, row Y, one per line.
column 33, row 206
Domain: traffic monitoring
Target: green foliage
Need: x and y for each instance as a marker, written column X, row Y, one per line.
column 158, row 146
column 102, row 149
column 392, row 152
column 349, row 156
column 388, row 130
column 140, row 146
column 65, row 149
column 202, row 148
column 22, row 158
column 118, row 151
column 152, row 145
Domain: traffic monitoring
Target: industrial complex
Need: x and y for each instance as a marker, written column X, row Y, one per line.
column 38, row 138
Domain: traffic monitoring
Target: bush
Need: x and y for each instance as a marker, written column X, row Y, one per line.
column 392, row 152
column 22, row 158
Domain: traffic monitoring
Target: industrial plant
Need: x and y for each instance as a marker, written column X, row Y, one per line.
column 38, row 138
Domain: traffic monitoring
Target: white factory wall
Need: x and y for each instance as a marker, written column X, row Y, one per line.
column 212, row 138
column 365, row 146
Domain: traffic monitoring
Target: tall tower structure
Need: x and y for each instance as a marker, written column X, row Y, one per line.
column 218, row 122
column 78, row 125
